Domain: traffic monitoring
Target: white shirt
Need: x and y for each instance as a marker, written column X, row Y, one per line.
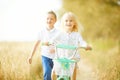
column 74, row 39
column 46, row 36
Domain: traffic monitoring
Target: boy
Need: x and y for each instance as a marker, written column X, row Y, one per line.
column 46, row 51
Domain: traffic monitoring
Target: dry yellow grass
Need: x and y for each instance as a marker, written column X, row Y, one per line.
column 13, row 62
column 103, row 61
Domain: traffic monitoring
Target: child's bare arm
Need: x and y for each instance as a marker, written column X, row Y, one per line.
column 33, row 52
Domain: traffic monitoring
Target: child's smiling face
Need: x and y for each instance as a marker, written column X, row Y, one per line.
column 68, row 23
column 50, row 20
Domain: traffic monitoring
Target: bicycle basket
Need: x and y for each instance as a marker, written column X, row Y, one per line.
column 64, row 66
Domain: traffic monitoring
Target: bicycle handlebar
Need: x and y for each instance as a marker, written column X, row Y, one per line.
column 66, row 46
column 63, row 46
column 69, row 47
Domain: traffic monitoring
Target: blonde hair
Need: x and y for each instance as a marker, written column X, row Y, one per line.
column 74, row 18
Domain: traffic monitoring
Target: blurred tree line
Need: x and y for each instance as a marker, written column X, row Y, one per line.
column 100, row 18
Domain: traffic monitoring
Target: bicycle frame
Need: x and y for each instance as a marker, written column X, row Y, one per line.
column 64, row 64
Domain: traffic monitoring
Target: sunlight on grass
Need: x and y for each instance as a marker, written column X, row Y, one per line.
column 104, row 58
column 13, row 62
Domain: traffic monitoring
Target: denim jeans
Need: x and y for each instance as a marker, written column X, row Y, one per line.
column 47, row 64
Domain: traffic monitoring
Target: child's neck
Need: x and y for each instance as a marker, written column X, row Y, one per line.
column 49, row 28
column 69, row 31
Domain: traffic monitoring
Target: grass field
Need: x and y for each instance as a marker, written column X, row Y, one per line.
column 105, row 58
column 13, row 62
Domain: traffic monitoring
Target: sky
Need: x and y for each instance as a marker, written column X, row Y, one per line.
column 21, row 20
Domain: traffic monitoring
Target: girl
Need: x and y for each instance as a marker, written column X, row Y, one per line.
column 70, row 36
column 44, row 36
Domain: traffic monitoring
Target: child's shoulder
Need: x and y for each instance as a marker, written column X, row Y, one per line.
column 41, row 31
